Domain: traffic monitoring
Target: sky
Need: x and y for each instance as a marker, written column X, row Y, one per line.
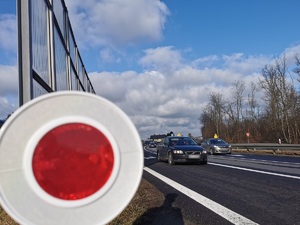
column 159, row 61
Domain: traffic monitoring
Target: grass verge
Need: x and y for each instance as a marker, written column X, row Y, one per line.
column 146, row 197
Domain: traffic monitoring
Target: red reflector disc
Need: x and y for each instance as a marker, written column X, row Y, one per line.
column 73, row 161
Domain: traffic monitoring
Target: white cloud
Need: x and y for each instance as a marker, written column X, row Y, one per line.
column 107, row 56
column 8, row 68
column 206, row 61
column 170, row 93
column 8, row 28
column 117, row 22
column 158, row 101
column 161, row 59
column 290, row 54
column 240, row 63
column 8, row 90
column 161, row 100
column 8, row 80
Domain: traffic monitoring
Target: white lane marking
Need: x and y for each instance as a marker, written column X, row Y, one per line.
column 257, row 160
column 256, row 171
column 226, row 213
column 152, row 152
column 150, row 157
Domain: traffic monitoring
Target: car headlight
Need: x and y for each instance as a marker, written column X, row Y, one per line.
column 216, row 147
column 177, row 151
column 204, row 151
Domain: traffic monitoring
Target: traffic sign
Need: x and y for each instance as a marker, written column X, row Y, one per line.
column 68, row 158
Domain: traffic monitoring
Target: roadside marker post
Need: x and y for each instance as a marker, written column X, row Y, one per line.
column 68, row 158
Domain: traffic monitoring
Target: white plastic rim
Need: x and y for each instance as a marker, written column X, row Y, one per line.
column 21, row 196
column 29, row 151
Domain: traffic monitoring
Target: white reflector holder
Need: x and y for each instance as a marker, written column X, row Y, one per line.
column 68, row 158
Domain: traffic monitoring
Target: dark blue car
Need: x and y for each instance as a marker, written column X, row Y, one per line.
column 178, row 149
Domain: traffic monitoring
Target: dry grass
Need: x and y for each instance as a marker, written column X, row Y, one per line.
column 146, row 197
column 5, row 219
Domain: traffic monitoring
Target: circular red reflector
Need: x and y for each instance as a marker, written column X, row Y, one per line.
column 73, row 161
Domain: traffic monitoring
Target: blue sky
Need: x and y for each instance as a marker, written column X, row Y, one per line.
column 226, row 27
column 160, row 60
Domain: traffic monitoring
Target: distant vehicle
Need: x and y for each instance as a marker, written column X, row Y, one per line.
column 175, row 149
column 216, row 146
column 152, row 144
column 145, row 143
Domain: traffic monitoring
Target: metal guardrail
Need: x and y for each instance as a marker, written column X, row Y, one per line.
column 266, row 146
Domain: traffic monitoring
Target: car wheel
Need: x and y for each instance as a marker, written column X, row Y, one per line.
column 203, row 162
column 170, row 159
column 158, row 157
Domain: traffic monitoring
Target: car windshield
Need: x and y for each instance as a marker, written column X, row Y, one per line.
column 182, row 141
column 217, row 141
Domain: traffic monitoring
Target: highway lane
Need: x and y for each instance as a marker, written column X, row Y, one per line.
column 268, row 163
column 264, row 189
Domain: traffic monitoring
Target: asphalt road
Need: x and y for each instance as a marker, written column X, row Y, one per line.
column 230, row 189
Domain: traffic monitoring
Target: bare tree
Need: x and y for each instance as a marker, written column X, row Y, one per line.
column 278, row 117
column 278, row 93
column 297, row 69
column 253, row 111
column 239, row 88
column 207, row 128
column 252, row 115
column 212, row 117
column 234, row 111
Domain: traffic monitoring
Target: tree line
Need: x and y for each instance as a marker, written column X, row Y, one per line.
column 270, row 112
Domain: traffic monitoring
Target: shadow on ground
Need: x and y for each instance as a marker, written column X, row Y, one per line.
column 165, row 214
